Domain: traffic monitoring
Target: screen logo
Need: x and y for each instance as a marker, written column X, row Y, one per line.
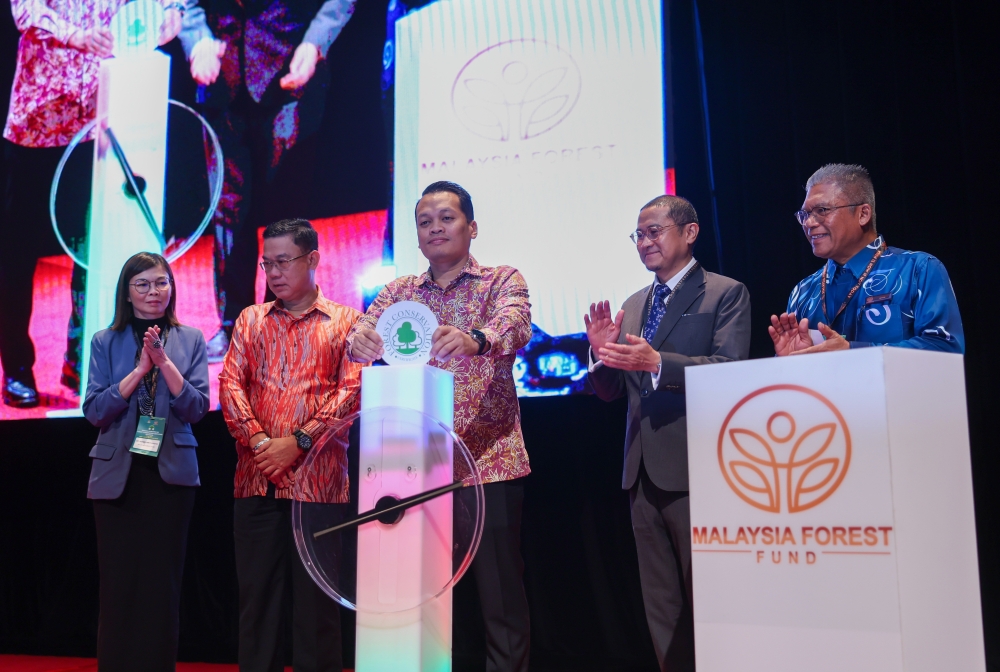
column 516, row 89
column 784, row 448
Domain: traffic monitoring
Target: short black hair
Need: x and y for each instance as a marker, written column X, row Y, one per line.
column 301, row 231
column 464, row 200
column 678, row 209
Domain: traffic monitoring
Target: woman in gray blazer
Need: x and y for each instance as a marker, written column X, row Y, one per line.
column 148, row 382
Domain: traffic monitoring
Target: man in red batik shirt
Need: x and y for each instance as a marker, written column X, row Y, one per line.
column 285, row 381
column 485, row 318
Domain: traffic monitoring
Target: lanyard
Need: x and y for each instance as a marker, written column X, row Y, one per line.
column 854, row 289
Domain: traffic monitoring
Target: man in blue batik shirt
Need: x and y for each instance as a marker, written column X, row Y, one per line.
column 867, row 293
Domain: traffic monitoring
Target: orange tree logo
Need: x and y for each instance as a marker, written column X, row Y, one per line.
column 784, row 447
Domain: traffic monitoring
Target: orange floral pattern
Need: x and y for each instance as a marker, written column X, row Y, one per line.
column 493, row 300
column 284, row 373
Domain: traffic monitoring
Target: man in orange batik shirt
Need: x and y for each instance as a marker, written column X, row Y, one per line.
column 285, row 381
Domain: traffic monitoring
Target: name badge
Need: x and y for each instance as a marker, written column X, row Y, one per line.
column 148, row 436
column 881, row 298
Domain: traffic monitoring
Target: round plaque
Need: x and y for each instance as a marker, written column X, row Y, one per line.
column 136, row 28
column 406, row 329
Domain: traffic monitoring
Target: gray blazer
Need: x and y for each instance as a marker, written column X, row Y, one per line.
column 112, row 357
column 707, row 321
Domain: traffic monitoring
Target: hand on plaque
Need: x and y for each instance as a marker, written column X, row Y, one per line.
column 449, row 341
column 367, row 346
column 97, row 41
column 170, row 27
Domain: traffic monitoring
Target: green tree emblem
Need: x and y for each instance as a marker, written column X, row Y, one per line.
column 136, row 32
column 407, row 341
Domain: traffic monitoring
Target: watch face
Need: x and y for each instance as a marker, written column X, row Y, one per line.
column 304, row 440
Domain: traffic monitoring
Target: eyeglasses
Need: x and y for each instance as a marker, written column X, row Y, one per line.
column 652, row 233
column 820, row 212
column 281, row 264
column 142, row 286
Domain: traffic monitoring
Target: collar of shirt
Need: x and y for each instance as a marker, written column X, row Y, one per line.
column 471, row 268
column 672, row 282
column 319, row 304
column 856, row 264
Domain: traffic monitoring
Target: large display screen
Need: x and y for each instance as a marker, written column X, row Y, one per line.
column 549, row 112
column 551, row 115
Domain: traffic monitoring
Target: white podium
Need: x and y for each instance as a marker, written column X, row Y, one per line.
column 832, row 514
column 132, row 101
column 399, row 565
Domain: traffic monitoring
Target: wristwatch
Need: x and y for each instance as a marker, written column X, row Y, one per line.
column 303, row 440
column 480, row 338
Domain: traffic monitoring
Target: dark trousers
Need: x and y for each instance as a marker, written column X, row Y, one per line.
column 255, row 141
column 141, row 543
column 661, row 521
column 498, row 569
column 27, row 234
column 270, row 573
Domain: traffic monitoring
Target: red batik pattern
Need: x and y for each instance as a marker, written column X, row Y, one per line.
column 55, row 86
column 284, row 373
column 493, row 300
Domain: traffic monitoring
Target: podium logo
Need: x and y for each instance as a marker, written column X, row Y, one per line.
column 516, row 89
column 784, row 448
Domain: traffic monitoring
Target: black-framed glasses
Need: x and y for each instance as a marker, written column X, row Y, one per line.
column 281, row 264
column 820, row 212
column 652, row 233
column 143, row 286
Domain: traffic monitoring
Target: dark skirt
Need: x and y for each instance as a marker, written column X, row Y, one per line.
column 141, row 542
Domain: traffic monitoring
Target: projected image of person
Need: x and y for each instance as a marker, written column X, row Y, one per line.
column 485, row 318
column 687, row 317
column 54, row 95
column 148, row 383
column 264, row 72
column 277, row 405
column 866, row 293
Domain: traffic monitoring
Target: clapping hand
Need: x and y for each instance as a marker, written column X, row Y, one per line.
column 152, row 347
column 601, row 329
column 635, row 355
column 788, row 335
column 834, row 341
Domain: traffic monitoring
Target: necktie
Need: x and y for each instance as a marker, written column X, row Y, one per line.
column 655, row 312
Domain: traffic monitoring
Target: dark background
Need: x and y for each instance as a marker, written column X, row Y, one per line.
column 908, row 89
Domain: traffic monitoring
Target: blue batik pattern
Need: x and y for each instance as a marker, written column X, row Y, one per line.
column 907, row 301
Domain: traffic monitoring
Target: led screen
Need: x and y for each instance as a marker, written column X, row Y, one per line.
column 551, row 115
